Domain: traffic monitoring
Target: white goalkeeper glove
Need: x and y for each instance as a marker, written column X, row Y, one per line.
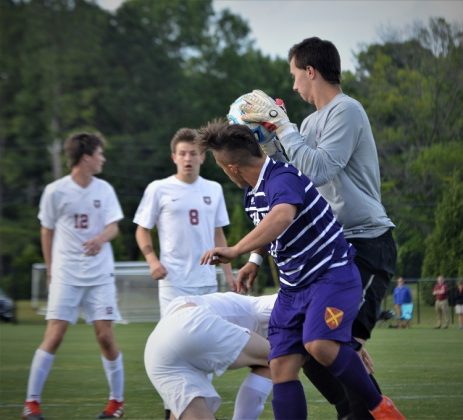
column 260, row 108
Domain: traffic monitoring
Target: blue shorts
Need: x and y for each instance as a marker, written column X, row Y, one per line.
column 325, row 309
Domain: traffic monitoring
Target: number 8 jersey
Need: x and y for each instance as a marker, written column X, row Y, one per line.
column 186, row 216
column 76, row 215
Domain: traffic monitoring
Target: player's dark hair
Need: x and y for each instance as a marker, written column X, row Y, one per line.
column 79, row 144
column 322, row 55
column 183, row 135
column 235, row 139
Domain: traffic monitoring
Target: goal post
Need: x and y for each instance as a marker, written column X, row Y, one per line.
column 137, row 291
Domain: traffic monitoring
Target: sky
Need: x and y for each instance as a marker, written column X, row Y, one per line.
column 276, row 25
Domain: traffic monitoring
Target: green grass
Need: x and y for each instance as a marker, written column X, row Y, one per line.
column 420, row 368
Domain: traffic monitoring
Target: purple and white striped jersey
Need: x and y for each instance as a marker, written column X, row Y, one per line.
column 314, row 242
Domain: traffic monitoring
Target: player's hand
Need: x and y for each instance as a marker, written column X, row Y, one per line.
column 367, row 360
column 246, row 277
column 92, row 247
column 219, row 255
column 262, row 109
column 158, row 271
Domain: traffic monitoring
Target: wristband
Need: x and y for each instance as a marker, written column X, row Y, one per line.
column 256, row 258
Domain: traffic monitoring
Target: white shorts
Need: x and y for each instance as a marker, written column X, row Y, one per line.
column 168, row 292
column 459, row 309
column 65, row 302
column 184, row 348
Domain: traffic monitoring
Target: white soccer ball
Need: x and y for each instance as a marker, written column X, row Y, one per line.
column 261, row 134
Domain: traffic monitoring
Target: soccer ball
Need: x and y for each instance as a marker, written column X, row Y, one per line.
column 261, row 134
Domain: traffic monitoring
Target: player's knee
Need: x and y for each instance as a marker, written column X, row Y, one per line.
column 323, row 351
column 51, row 343
column 285, row 369
column 105, row 339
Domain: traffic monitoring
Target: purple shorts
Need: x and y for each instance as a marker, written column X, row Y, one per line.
column 325, row 309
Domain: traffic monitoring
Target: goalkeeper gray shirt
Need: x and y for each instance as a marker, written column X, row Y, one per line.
column 336, row 150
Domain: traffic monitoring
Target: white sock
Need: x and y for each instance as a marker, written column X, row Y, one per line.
column 38, row 374
column 114, row 370
column 251, row 397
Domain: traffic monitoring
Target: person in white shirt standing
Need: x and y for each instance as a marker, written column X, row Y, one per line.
column 79, row 216
column 189, row 213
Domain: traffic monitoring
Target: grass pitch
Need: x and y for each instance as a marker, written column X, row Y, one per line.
column 420, row 368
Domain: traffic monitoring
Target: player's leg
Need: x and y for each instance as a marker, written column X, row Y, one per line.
column 257, row 386
column 100, row 308
column 374, row 288
column 62, row 309
column 287, row 354
column 197, row 409
column 328, row 334
column 254, row 353
column 41, row 366
column 253, row 393
column 289, row 400
column 375, row 285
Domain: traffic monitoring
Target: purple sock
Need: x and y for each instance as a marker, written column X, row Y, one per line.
column 289, row 401
column 349, row 369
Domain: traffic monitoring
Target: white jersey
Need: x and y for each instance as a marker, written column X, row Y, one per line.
column 250, row 312
column 186, row 216
column 76, row 215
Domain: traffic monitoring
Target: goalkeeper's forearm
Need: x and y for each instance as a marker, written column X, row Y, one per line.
column 274, row 150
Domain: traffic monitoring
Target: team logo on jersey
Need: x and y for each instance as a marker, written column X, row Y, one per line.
column 207, row 200
column 109, row 310
column 333, row 317
column 97, row 204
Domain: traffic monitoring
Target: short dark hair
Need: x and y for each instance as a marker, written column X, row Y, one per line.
column 79, row 144
column 183, row 135
column 235, row 139
column 321, row 55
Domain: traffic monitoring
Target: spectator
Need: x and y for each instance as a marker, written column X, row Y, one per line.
column 459, row 304
column 403, row 304
column 441, row 294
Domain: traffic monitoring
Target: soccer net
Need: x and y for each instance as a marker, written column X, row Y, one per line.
column 137, row 291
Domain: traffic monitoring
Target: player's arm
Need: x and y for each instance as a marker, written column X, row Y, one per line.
column 46, row 240
column 333, row 150
column 93, row 246
column 221, row 241
column 277, row 220
column 145, row 243
column 248, row 273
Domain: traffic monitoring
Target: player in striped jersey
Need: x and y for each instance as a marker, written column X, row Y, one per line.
column 320, row 284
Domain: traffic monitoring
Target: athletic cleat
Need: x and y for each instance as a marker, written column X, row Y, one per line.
column 113, row 410
column 32, row 411
column 386, row 410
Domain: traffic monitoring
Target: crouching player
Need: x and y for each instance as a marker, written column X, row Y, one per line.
column 207, row 334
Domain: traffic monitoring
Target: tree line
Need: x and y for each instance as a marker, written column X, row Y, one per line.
column 141, row 72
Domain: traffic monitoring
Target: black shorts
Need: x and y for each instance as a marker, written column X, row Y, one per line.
column 376, row 260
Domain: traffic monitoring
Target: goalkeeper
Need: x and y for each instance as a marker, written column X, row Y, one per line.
column 336, row 149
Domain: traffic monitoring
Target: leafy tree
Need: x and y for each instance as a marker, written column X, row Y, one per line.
column 412, row 91
column 444, row 246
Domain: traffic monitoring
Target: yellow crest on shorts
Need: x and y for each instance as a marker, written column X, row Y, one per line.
column 333, row 317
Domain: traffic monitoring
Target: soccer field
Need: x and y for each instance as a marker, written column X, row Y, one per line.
column 421, row 369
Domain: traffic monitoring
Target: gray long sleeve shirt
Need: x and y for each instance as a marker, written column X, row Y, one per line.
column 336, row 150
